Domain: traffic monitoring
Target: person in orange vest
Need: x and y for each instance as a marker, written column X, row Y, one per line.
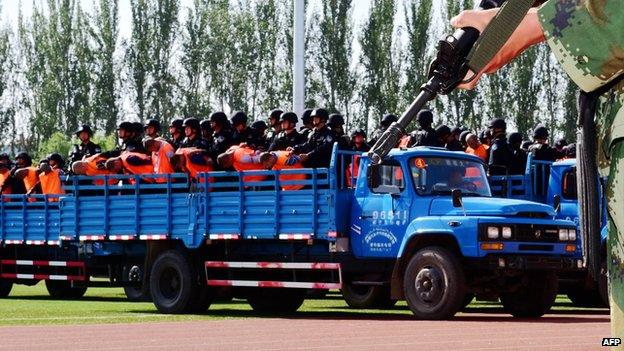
column 131, row 163
column 93, row 166
column 27, row 173
column 161, row 152
column 279, row 160
column 192, row 161
column 8, row 183
column 50, row 173
column 242, row 158
column 476, row 148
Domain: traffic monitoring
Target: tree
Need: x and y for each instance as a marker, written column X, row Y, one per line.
column 196, row 87
column 219, row 44
column 267, row 94
column 524, row 89
column 334, row 56
column 139, row 58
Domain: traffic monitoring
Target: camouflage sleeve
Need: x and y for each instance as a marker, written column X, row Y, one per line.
column 587, row 38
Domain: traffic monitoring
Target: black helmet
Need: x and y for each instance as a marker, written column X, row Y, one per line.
column 275, row 114
column 84, row 128
column 570, row 150
column 176, row 123
column 127, row 126
column 5, row 157
column 484, row 135
column 25, row 156
column 306, row 117
column 321, row 113
column 335, row 119
column 515, row 138
column 463, row 135
column 259, row 125
column 526, row 144
column 443, row 131
column 561, row 143
column 153, row 123
column 498, row 123
column 425, row 117
column 219, row 118
column 359, row 132
column 205, row 125
column 56, row 158
column 388, row 119
column 191, row 122
column 289, row 117
column 238, row 117
column 137, row 127
column 457, row 130
column 540, row 132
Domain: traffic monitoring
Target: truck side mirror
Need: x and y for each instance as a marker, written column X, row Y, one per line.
column 457, row 197
column 373, row 176
column 557, row 202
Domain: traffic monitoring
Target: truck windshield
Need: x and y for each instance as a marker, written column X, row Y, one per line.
column 440, row 175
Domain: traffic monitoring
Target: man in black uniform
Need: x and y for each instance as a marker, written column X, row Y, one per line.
column 519, row 158
column 206, row 130
column 560, row 147
column 9, row 183
column 192, row 131
column 308, row 125
column 177, row 133
column 274, row 125
column 500, row 153
column 386, row 121
column 130, row 141
column 485, row 137
column 540, row 148
column 288, row 137
column 240, row 132
column 87, row 147
column 358, row 141
column 447, row 139
column 336, row 124
column 425, row 135
column 221, row 135
column 258, row 135
column 152, row 128
column 316, row 152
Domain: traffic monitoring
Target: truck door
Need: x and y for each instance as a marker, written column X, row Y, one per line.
column 381, row 213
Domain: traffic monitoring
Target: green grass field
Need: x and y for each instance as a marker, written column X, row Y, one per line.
column 31, row 305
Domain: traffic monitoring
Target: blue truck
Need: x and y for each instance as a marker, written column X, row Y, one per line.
column 554, row 183
column 420, row 226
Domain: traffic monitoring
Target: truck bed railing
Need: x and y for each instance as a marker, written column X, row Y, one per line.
column 29, row 219
column 532, row 186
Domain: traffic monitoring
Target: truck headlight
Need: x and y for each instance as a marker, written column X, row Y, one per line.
column 492, row 232
column 563, row 234
column 572, row 234
column 507, row 232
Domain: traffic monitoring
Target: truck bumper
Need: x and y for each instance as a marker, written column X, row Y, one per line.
column 513, row 262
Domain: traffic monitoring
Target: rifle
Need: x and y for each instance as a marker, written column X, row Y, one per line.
column 463, row 51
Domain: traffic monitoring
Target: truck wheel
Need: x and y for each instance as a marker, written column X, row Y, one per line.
column 63, row 290
column 202, row 300
column 280, row 300
column 138, row 294
column 603, row 283
column 434, row 284
column 585, row 298
column 366, row 296
column 534, row 299
column 5, row 288
column 172, row 285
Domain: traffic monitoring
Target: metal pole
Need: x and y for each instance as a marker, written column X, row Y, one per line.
column 299, row 57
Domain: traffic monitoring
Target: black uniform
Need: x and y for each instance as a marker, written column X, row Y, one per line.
column 425, row 137
column 377, row 133
column 500, row 156
column 176, row 143
column 133, row 145
column 284, row 141
column 305, row 132
column 242, row 137
column 197, row 142
column 221, row 141
column 543, row 152
column 319, row 147
column 84, row 150
column 455, row 145
column 363, row 148
column 518, row 161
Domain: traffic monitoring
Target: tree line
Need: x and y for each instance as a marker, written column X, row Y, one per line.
column 68, row 64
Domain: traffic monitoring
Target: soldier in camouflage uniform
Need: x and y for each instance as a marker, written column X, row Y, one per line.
column 587, row 38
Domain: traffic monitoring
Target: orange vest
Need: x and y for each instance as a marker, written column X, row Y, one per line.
column 3, row 177
column 51, row 183
column 161, row 160
column 31, row 178
column 244, row 161
column 481, row 152
column 92, row 169
column 145, row 166
column 282, row 163
column 405, row 141
column 194, row 167
column 353, row 170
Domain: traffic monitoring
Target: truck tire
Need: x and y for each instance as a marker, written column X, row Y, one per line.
column 603, row 283
column 63, row 290
column 434, row 284
column 276, row 300
column 202, row 300
column 366, row 296
column 586, row 298
column 138, row 294
column 5, row 288
column 535, row 298
column 172, row 283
